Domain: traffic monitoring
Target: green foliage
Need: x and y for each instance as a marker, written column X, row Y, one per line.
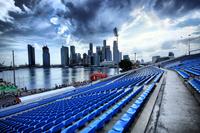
column 125, row 65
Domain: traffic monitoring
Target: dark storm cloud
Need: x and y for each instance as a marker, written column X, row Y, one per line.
column 84, row 16
column 28, row 3
column 174, row 8
column 91, row 20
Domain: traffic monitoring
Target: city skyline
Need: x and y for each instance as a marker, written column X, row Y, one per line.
column 147, row 27
column 69, row 56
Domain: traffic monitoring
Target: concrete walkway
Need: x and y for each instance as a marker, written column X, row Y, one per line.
column 179, row 111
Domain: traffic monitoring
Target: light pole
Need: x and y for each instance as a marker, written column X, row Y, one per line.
column 189, row 44
column 135, row 57
column 13, row 55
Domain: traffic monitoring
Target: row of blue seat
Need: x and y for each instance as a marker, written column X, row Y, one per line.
column 127, row 118
column 89, row 116
column 45, row 101
column 192, row 71
column 183, row 74
column 195, row 83
column 70, row 108
column 98, row 124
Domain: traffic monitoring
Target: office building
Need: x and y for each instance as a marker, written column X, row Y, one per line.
column 120, row 56
column 64, row 56
column 104, row 50
column 96, row 59
column 108, row 54
column 99, row 53
column 90, row 55
column 72, row 55
column 46, row 56
column 91, row 48
column 31, row 56
column 78, row 58
column 115, row 52
column 85, row 59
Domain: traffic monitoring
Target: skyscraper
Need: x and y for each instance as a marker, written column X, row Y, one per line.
column 46, row 56
column 72, row 55
column 64, row 56
column 96, row 59
column 104, row 50
column 90, row 55
column 85, row 59
column 120, row 56
column 99, row 53
column 31, row 55
column 78, row 58
column 91, row 48
column 115, row 52
column 108, row 54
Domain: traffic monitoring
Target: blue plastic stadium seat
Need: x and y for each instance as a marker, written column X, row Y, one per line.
column 183, row 74
column 68, row 121
column 131, row 111
column 122, row 123
column 70, row 129
column 38, row 130
column 27, row 130
column 88, row 130
column 56, row 128
column 138, row 102
column 195, row 83
column 82, row 121
column 47, row 126
column 39, row 124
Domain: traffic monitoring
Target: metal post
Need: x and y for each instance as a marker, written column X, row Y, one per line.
column 189, row 45
column 135, row 57
column 118, row 57
column 13, row 54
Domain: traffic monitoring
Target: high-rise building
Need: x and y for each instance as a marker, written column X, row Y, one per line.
column 115, row 52
column 64, row 56
column 108, row 54
column 99, row 53
column 126, row 57
column 78, row 58
column 96, row 59
column 46, row 56
column 90, row 55
column 104, row 50
column 91, row 48
column 120, row 56
column 85, row 59
column 31, row 56
column 72, row 55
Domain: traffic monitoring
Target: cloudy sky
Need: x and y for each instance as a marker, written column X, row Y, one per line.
column 147, row 27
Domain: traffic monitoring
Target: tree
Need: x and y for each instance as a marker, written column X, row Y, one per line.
column 125, row 65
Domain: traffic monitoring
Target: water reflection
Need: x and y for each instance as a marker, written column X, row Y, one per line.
column 65, row 75
column 32, row 78
column 47, row 78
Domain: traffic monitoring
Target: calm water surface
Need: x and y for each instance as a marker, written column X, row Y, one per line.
column 47, row 78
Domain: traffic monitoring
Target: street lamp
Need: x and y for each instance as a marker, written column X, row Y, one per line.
column 189, row 44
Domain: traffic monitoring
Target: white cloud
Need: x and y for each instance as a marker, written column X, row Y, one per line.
column 146, row 33
column 6, row 7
